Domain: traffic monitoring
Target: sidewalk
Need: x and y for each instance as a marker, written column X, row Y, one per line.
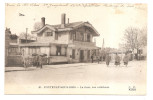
column 10, row 69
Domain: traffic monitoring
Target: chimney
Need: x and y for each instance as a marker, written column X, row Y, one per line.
column 63, row 18
column 68, row 20
column 43, row 21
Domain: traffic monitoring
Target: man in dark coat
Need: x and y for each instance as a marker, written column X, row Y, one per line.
column 108, row 59
column 34, row 60
column 98, row 59
column 126, row 59
column 117, row 60
column 40, row 61
column 92, row 58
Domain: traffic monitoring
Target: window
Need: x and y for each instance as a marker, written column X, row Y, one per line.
column 56, row 36
column 49, row 34
column 70, row 35
column 74, row 36
column 140, row 51
column 58, row 51
column 88, row 37
column 13, row 51
column 32, row 50
column 82, row 37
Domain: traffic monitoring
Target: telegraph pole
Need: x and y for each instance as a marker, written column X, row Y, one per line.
column 26, row 34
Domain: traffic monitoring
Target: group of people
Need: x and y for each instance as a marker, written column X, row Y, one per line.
column 117, row 59
column 36, row 61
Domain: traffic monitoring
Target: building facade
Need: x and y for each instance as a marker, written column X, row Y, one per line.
column 12, row 56
column 64, row 42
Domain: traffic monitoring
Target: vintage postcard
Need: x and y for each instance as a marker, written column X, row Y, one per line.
column 87, row 48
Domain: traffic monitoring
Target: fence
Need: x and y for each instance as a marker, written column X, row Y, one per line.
column 17, row 61
column 14, row 61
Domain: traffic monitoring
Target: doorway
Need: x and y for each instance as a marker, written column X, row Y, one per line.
column 58, row 51
column 81, row 55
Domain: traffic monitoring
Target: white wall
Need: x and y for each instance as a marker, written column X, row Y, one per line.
column 46, row 39
column 44, row 50
column 53, row 50
column 63, row 37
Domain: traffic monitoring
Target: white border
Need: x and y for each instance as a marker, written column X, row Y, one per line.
column 149, row 95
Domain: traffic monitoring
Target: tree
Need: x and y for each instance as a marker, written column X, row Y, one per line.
column 13, row 36
column 37, row 26
column 142, row 38
column 23, row 35
column 134, row 38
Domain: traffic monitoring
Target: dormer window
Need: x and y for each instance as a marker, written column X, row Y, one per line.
column 49, row 34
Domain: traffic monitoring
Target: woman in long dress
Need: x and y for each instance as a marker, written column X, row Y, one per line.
column 108, row 59
column 126, row 59
column 117, row 60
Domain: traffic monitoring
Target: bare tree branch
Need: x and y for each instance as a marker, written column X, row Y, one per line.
column 134, row 38
column 37, row 26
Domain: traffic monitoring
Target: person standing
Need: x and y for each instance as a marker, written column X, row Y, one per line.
column 40, row 61
column 70, row 59
column 34, row 60
column 92, row 58
column 24, row 59
column 108, row 59
column 98, row 59
column 117, row 60
column 126, row 59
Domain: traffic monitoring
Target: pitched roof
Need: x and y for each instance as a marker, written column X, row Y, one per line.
column 68, row 27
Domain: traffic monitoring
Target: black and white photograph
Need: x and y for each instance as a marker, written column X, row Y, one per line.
column 76, row 48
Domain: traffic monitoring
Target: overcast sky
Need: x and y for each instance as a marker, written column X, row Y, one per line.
column 109, row 21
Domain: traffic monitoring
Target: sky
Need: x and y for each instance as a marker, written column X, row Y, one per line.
column 110, row 20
